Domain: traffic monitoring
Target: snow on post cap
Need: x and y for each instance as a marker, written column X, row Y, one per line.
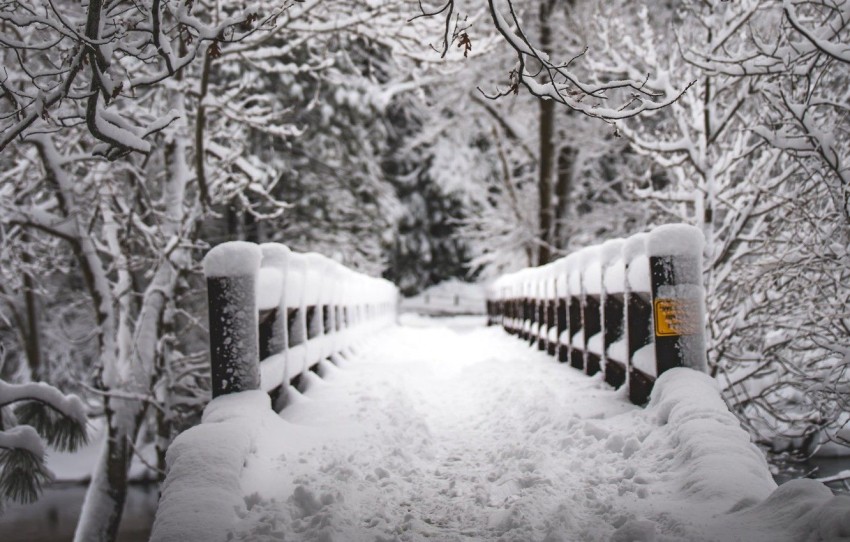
column 560, row 272
column 232, row 259
column 611, row 250
column 587, row 257
column 275, row 255
column 674, row 239
column 634, row 246
column 268, row 288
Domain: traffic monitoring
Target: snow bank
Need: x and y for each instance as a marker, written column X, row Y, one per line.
column 712, row 455
column 202, row 497
column 803, row 510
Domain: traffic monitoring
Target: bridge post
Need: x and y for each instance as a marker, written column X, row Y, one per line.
column 563, row 348
column 543, row 306
column 613, row 287
column 231, row 271
column 551, row 311
column 664, row 280
column 638, row 308
column 591, row 303
column 675, row 258
column 574, row 314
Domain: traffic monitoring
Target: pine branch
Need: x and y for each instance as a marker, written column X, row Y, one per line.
column 22, row 475
column 62, row 432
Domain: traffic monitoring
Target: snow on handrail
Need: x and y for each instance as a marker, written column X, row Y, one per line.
column 630, row 308
column 275, row 314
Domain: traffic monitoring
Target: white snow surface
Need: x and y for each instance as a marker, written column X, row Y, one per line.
column 269, row 288
column 644, row 360
column 232, row 259
column 435, row 433
column 675, row 239
column 638, row 275
column 447, row 298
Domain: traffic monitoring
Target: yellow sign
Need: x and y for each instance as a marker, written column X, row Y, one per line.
column 676, row 317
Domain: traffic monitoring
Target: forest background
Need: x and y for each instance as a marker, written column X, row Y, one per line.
column 418, row 142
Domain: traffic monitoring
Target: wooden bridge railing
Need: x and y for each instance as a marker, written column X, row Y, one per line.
column 275, row 314
column 630, row 308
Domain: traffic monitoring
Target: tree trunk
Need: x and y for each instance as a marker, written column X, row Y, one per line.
column 544, row 184
column 107, row 491
column 547, row 152
column 133, row 371
column 33, row 340
column 566, row 161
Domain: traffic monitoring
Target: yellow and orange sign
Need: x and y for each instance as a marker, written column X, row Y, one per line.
column 676, row 317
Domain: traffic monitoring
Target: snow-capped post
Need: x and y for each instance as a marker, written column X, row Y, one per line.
column 675, row 258
column 271, row 300
column 591, row 280
column 519, row 306
column 638, row 300
column 664, row 289
column 493, row 303
column 542, row 303
column 525, row 321
column 534, row 294
column 294, row 295
column 498, row 308
column 551, row 309
column 575, row 314
column 514, row 305
column 563, row 340
column 613, row 287
column 231, row 272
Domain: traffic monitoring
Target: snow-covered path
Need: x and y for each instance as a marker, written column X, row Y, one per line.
column 466, row 433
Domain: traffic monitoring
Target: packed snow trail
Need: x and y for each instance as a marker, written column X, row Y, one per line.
column 466, row 433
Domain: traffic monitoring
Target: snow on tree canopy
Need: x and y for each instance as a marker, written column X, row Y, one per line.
column 232, row 259
column 69, row 405
column 23, row 437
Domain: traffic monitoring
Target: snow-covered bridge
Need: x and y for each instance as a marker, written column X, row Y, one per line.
column 453, row 430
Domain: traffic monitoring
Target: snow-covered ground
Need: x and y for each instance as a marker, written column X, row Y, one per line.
column 448, row 298
column 432, row 432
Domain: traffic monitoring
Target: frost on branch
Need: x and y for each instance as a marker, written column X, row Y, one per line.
column 609, row 100
column 90, row 63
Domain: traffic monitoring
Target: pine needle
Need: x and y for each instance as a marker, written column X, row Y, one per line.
column 61, row 432
column 22, row 475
